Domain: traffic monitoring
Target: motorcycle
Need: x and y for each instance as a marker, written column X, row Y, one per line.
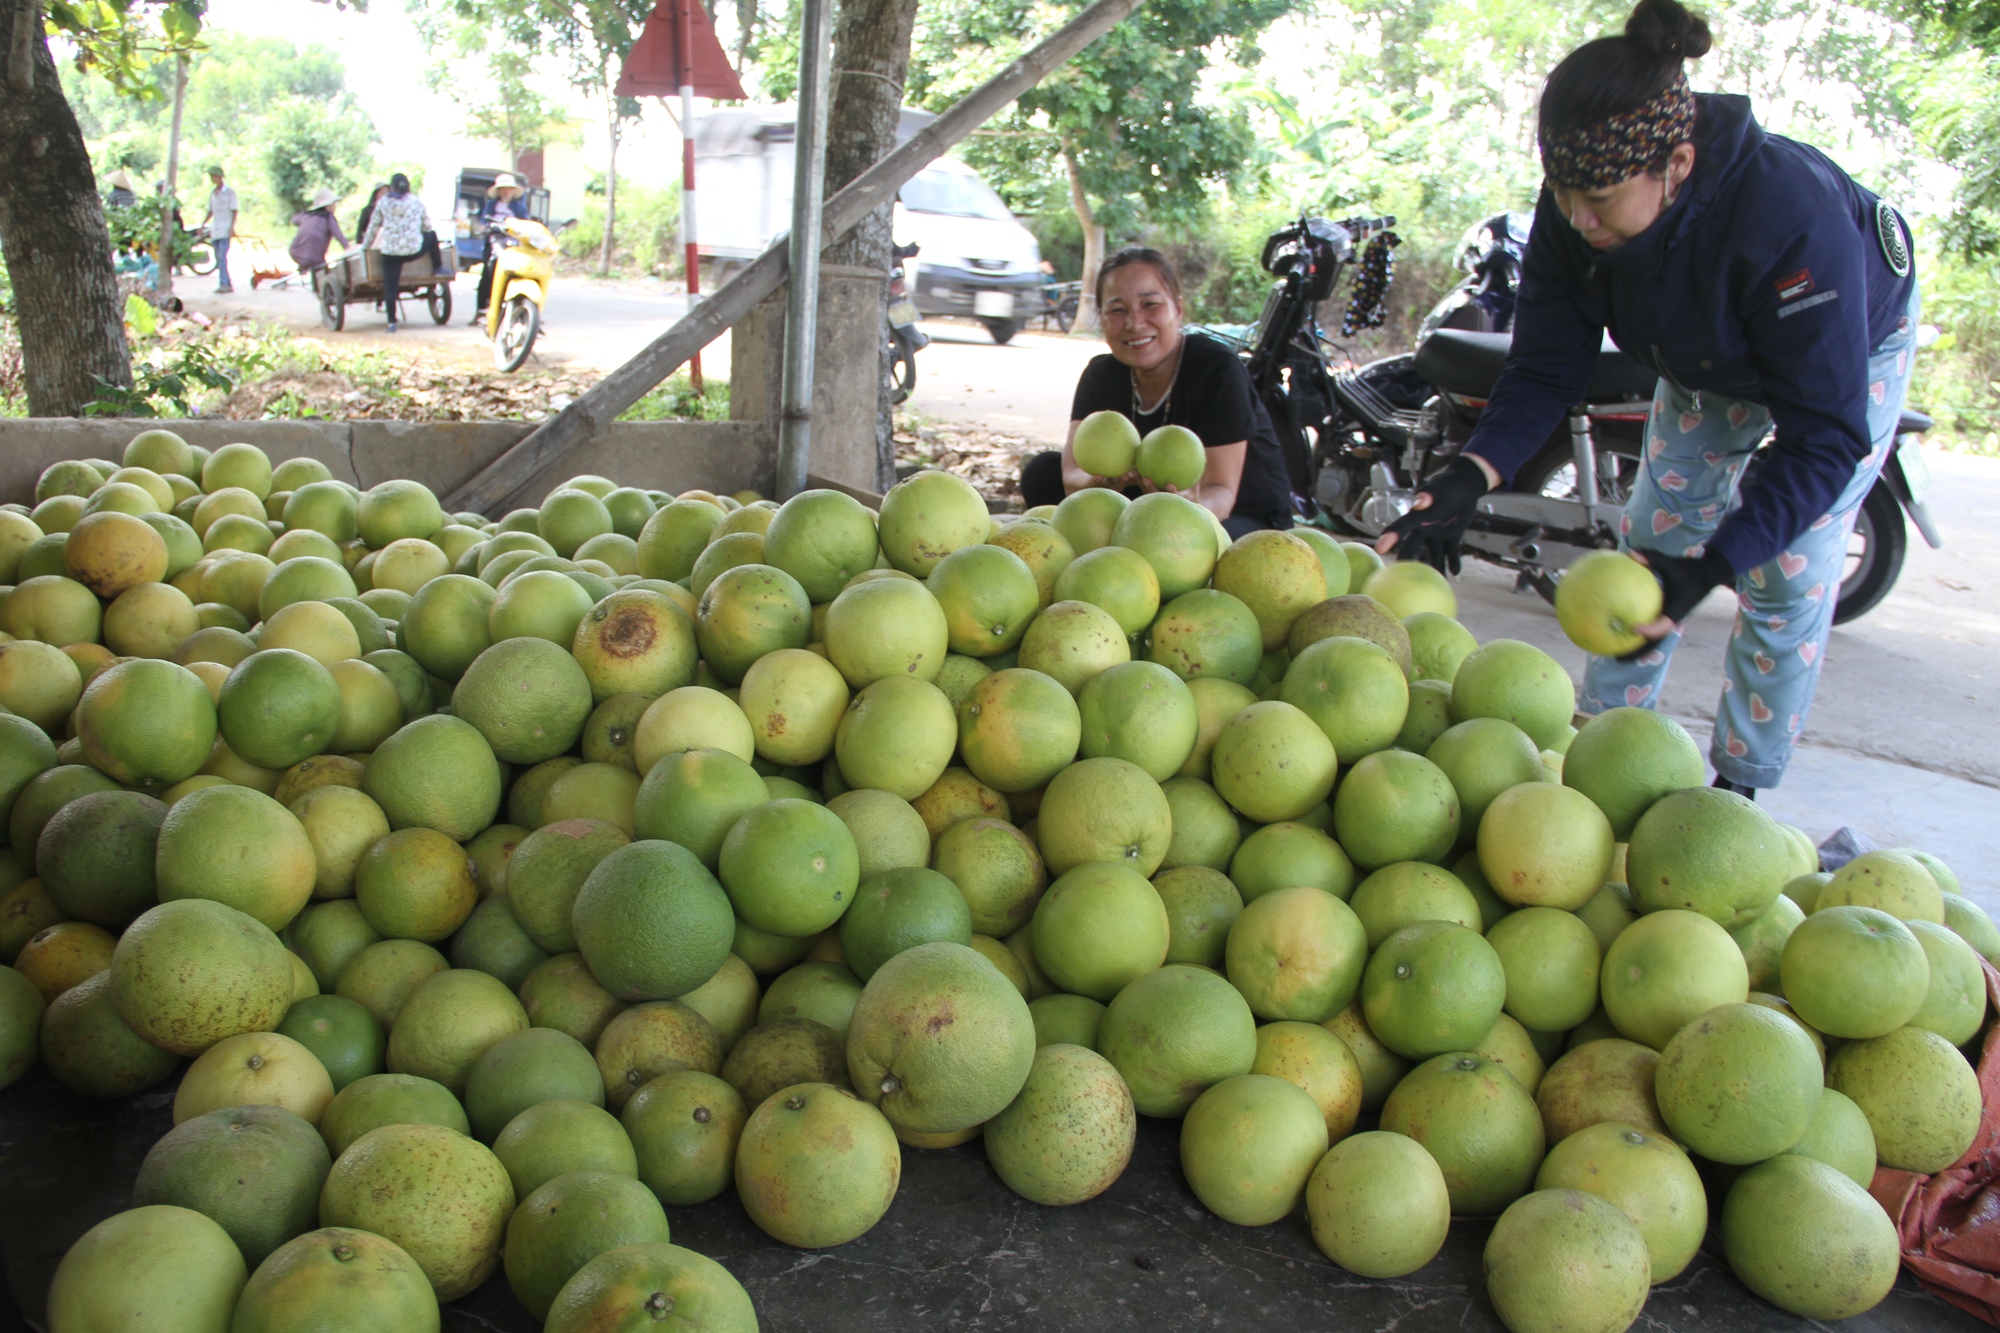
column 905, row 338
column 1361, row 440
column 524, row 263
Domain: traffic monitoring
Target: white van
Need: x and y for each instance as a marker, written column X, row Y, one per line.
column 974, row 259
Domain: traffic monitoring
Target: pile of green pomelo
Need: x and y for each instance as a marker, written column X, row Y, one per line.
column 510, row 884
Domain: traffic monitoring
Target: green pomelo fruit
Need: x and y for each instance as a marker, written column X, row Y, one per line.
column 816, row 1166
column 1395, row 806
column 1069, row 1133
column 822, row 538
column 1206, row 634
column 1381, row 1068
column 1438, row 646
column 1919, row 1094
column 539, row 1065
column 1409, row 891
column 1762, row 940
column 1484, row 757
column 652, row 922
column 1202, row 906
column 255, row 1170
column 988, row 595
column 568, row 1222
column 1432, row 987
column 1276, row 575
column 548, row 870
column 1541, row 845
column 1297, row 953
column 1248, row 1146
column 1354, row 692
column 1667, row 969
column 927, row 517
column 1352, row 616
column 340, row 1033
column 1971, row 923
column 1411, row 587
column 381, row 976
column 1170, row 456
column 694, row 797
column 1625, row 759
column 337, row 1278
column 747, row 612
column 776, row 1055
column 898, row 910
column 1739, row 1084
column 629, row 1287
column 1602, row 600
column 1106, row 444
column 1561, row 1258
column 1271, row 763
column 1854, row 972
column 388, row 1099
column 1099, row 927
column 1892, row 882
column 1071, row 1020
column 886, row 627
column 1379, row 1205
column 1072, row 641
column 188, row 973
column 1646, row 1176
column 1018, row 729
column 551, row 1139
column 1176, row 537
column 1955, row 1005
column 1840, row 1136
column 1551, row 960
column 684, row 1127
column 1087, row 517
column 1174, row 1033
column 937, row 1077
column 448, row 1022
column 1282, row 855
column 1607, row 913
column 492, row 941
column 1478, row 1123
column 440, row 1195
column 95, row 857
column 1809, row 1240
column 897, row 736
column 1711, row 851
column 1140, row 712
column 823, row 992
column 1104, row 810
column 90, row 1050
column 157, row 1266
column 1518, row 682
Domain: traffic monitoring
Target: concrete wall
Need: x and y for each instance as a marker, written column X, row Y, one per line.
column 847, row 369
column 668, row 456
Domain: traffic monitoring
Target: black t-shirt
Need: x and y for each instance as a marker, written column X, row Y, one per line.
column 1211, row 397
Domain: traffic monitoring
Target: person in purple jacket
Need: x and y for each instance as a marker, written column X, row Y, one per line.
column 1774, row 295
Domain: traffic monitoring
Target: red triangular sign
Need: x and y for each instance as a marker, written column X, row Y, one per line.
column 657, row 67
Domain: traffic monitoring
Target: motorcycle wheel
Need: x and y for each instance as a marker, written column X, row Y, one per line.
column 1003, row 330
column 201, row 259
column 1066, row 314
column 1875, row 551
column 440, row 303
column 902, row 370
column 332, row 309
column 519, row 323
column 1552, row 472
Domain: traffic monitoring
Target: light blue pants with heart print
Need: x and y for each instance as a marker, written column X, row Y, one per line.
column 1696, row 448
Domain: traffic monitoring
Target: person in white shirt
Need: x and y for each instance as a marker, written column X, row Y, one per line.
column 396, row 230
column 221, row 223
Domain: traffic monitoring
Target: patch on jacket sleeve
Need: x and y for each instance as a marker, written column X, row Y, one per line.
column 1795, row 285
column 1785, row 311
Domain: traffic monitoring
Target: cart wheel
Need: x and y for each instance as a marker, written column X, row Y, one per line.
column 440, row 303
column 519, row 323
column 332, row 309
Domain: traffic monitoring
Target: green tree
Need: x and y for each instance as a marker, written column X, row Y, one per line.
column 1125, row 123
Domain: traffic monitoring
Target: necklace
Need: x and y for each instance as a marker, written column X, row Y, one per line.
column 1166, row 399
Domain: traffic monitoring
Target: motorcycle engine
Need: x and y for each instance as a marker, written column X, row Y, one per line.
column 1334, row 489
column 1384, row 501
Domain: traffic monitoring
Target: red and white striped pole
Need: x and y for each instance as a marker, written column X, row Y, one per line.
column 685, row 45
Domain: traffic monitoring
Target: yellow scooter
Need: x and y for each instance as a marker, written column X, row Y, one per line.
column 523, row 266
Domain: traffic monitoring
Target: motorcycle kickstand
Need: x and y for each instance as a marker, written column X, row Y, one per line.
column 1530, row 580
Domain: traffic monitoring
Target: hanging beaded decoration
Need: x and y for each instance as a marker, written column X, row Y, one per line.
column 1369, row 306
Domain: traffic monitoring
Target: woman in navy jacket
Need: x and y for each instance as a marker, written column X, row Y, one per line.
column 1774, row 295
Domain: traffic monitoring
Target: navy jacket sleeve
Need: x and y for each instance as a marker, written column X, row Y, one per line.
column 1553, row 356
column 1810, row 348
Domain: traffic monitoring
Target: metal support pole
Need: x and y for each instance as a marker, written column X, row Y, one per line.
column 808, row 203
column 692, row 257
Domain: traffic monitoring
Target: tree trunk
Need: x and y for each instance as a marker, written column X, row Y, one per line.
column 871, row 58
column 746, row 29
column 1093, row 247
column 52, row 228
column 610, row 191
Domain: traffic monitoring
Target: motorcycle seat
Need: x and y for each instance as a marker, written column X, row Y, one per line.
column 1463, row 362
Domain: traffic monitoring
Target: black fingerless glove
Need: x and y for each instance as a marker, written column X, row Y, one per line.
column 1684, row 582
column 1433, row 534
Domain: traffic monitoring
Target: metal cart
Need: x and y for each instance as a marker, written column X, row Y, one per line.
column 357, row 276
